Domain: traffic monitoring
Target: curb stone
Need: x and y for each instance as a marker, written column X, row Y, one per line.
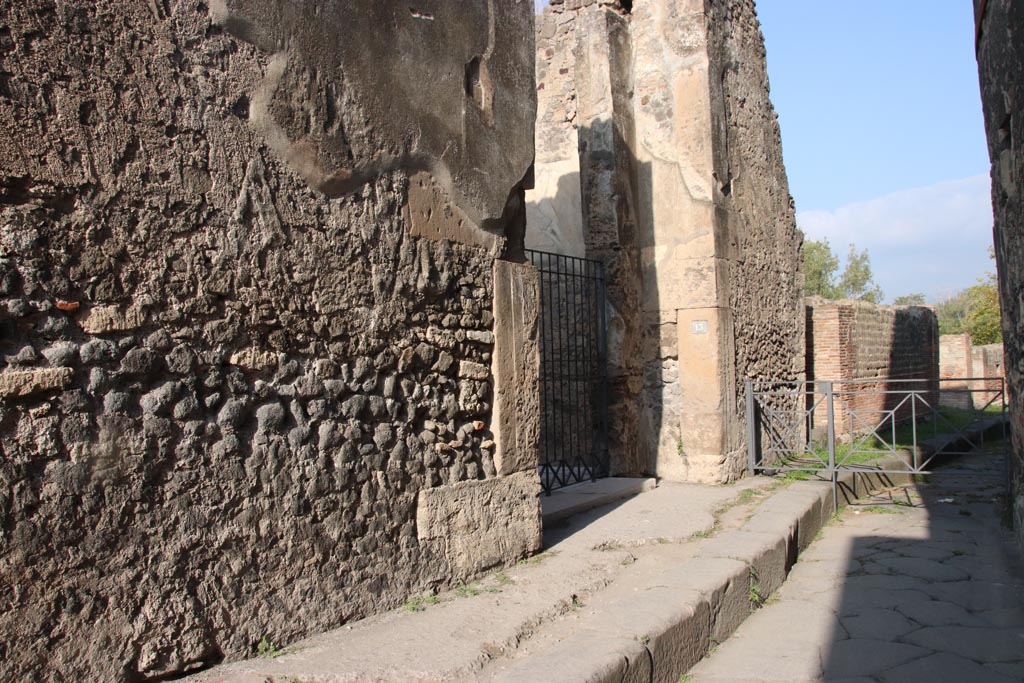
column 701, row 601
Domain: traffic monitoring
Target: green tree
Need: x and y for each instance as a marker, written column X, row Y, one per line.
column 855, row 282
column 820, row 266
column 983, row 319
column 915, row 299
column 952, row 313
column 974, row 310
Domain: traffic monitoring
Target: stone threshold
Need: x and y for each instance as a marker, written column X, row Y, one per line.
column 578, row 498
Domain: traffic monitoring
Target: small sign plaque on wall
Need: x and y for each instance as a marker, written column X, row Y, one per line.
column 699, row 326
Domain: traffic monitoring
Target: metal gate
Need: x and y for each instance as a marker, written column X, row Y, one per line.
column 573, row 369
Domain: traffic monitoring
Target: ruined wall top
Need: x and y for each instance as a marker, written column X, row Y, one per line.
column 624, row 6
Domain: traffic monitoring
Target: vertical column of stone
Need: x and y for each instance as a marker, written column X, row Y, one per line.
column 516, row 367
column 603, row 58
column 756, row 238
column 678, row 224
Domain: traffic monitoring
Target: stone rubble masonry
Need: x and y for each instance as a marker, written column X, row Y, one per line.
column 659, row 153
column 858, row 340
column 263, row 369
column 1000, row 54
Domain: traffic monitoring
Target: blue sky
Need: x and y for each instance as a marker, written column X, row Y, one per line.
column 883, row 136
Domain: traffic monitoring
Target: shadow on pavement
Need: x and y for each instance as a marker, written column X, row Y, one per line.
column 941, row 598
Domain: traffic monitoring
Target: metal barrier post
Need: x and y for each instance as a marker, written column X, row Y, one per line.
column 832, row 471
column 751, row 427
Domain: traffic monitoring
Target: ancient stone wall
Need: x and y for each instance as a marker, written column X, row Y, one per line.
column 684, row 196
column 761, row 250
column 956, row 365
column 583, row 204
column 862, row 347
column 1000, row 65
column 262, row 370
column 554, row 212
column 955, row 356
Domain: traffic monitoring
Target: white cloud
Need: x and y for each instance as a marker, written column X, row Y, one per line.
column 932, row 240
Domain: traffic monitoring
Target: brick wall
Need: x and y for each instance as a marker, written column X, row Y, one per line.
column 955, row 356
column 862, row 347
column 987, row 366
column 959, row 361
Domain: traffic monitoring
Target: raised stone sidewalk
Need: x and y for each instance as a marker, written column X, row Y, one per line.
column 637, row 590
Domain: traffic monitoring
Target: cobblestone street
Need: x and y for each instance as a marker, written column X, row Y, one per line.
column 922, row 585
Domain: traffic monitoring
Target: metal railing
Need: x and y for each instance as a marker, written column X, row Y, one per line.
column 828, row 426
column 573, row 369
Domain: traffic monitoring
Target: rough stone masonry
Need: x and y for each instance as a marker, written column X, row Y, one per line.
column 1000, row 50
column 268, row 353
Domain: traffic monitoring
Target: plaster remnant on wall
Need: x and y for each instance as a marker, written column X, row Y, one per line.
column 432, row 215
column 342, row 107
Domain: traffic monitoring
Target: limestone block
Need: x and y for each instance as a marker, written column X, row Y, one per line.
column 470, row 370
column 678, row 280
column 107, row 319
column 824, row 492
column 683, row 635
column 516, row 367
column 254, row 359
column 705, row 376
column 724, row 583
column 586, row 656
column 804, row 506
column 480, row 524
column 764, row 553
column 776, row 523
column 15, row 383
column 674, row 620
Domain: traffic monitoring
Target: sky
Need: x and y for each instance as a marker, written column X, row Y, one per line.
column 883, row 136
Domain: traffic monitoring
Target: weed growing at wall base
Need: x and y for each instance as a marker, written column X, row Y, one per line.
column 267, row 649
column 419, row 604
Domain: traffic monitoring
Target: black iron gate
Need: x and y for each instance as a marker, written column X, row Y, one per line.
column 573, row 369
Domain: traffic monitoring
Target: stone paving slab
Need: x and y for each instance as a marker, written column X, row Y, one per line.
column 929, row 592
